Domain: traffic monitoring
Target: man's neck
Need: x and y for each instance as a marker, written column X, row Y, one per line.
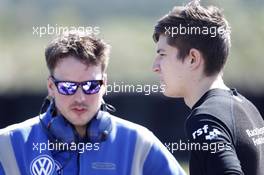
column 81, row 130
column 201, row 87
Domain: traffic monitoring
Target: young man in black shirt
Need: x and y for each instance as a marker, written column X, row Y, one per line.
column 225, row 131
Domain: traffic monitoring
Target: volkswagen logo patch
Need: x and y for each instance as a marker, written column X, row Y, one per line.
column 42, row 165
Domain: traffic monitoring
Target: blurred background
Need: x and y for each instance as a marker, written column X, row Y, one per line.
column 127, row 26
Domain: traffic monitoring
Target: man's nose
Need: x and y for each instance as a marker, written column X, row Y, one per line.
column 79, row 95
column 156, row 66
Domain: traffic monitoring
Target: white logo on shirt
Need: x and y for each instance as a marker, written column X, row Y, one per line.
column 213, row 134
column 204, row 130
column 200, row 131
column 42, row 165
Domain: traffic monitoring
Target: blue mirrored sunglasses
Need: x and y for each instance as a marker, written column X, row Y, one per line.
column 70, row 87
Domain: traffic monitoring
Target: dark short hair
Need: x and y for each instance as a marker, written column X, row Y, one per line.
column 86, row 48
column 215, row 49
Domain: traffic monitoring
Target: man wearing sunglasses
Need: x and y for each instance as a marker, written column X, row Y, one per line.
column 76, row 135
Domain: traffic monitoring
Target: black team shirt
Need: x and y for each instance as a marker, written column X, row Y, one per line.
column 225, row 135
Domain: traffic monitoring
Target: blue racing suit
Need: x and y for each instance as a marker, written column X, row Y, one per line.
column 130, row 149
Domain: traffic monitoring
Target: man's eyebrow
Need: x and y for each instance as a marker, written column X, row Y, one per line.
column 160, row 50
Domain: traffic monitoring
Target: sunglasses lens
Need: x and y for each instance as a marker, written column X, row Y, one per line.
column 91, row 87
column 67, row 88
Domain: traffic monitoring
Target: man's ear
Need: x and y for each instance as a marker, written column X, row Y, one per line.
column 195, row 59
column 50, row 87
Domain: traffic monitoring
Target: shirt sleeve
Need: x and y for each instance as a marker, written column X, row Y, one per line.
column 212, row 148
column 161, row 161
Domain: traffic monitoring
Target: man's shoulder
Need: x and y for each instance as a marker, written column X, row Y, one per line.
column 24, row 126
column 219, row 101
column 225, row 105
column 215, row 109
column 217, row 104
column 128, row 125
column 214, row 104
column 123, row 125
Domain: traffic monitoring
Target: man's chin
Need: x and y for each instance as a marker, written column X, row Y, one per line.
column 79, row 123
column 78, row 120
column 170, row 94
column 167, row 93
